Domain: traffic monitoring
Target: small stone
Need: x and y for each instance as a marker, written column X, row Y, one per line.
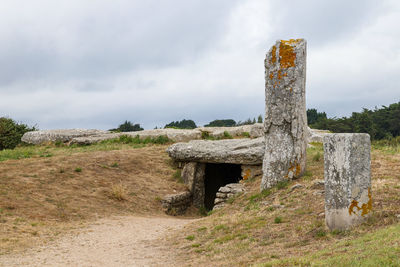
column 218, row 200
column 318, row 193
column 219, row 206
column 398, row 216
column 277, row 206
column 296, row 186
column 221, row 195
column 322, row 214
column 318, row 184
column 224, row 189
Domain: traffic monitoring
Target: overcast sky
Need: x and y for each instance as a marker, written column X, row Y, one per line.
column 95, row 64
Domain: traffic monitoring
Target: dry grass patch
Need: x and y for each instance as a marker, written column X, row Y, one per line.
column 43, row 197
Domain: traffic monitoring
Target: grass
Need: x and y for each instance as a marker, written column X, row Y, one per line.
column 379, row 248
column 58, row 148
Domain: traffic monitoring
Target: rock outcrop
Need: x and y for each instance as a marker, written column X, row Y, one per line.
column 62, row 135
column 285, row 123
column 86, row 137
column 235, row 151
column 317, row 136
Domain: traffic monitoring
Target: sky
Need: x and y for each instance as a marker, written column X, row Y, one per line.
column 94, row 64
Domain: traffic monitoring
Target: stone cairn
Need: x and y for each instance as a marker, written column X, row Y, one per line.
column 285, row 123
column 347, row 174
column 226, row 192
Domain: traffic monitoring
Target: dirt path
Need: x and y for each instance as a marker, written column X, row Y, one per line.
column 122, row 241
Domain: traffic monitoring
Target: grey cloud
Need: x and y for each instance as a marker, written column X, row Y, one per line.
column 323, row 22
column 118, row 38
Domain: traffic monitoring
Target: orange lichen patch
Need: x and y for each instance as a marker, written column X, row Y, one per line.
column 247, row 174
column 286, row 54
column 296, row 169
column 273, row 55
column 365, row 208
column 271, row 75
column 279, row 74
column 291, row 89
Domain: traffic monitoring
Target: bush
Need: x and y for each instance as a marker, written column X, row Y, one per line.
column 183, row 124
column 128, row 126
column 221, row 123
column 11, row 133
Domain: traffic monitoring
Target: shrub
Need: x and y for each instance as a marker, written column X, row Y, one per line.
column 317, row 157
column 278, row 219
column 246, row 134
column 183, row 124
column 118, row 192
column 11, row 133
column 128, row 126
column 227, row 135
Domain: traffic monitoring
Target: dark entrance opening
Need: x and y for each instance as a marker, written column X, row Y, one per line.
column 217, row 175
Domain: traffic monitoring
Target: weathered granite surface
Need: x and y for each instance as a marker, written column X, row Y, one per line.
column 193, row 174
column 226, row 192
column 285, row 122
column 251, row 171
column 176, row 135
column 315, row 135
column 347, row 174
column 63, row 135
column 235, row 151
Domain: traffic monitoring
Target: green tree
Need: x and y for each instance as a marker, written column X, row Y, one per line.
column 313, row 116
column 260, row 119
column 221, row 123
column 183, row 124
column 128, row 126
column 11, row 133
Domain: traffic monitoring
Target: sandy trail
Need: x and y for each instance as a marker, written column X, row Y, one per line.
column 122, row 241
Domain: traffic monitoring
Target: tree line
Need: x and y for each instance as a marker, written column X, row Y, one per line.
column 379, row 123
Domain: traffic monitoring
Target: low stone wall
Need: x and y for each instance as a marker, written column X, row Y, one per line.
column 176, row 204
column 226, row 192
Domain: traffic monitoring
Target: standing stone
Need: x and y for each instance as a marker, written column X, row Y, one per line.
column 347, row 173
column 193, row 176
column 285, row 124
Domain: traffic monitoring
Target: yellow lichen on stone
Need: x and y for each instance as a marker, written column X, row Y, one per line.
column 247, row 174
column 287, row 56
column 295, row 169
column 279, row 74
column 365, row 208
column 271, row 75
column 273, row 55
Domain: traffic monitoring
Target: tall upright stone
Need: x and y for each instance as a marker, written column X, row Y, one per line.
column 347, row 162
column 285, row 124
